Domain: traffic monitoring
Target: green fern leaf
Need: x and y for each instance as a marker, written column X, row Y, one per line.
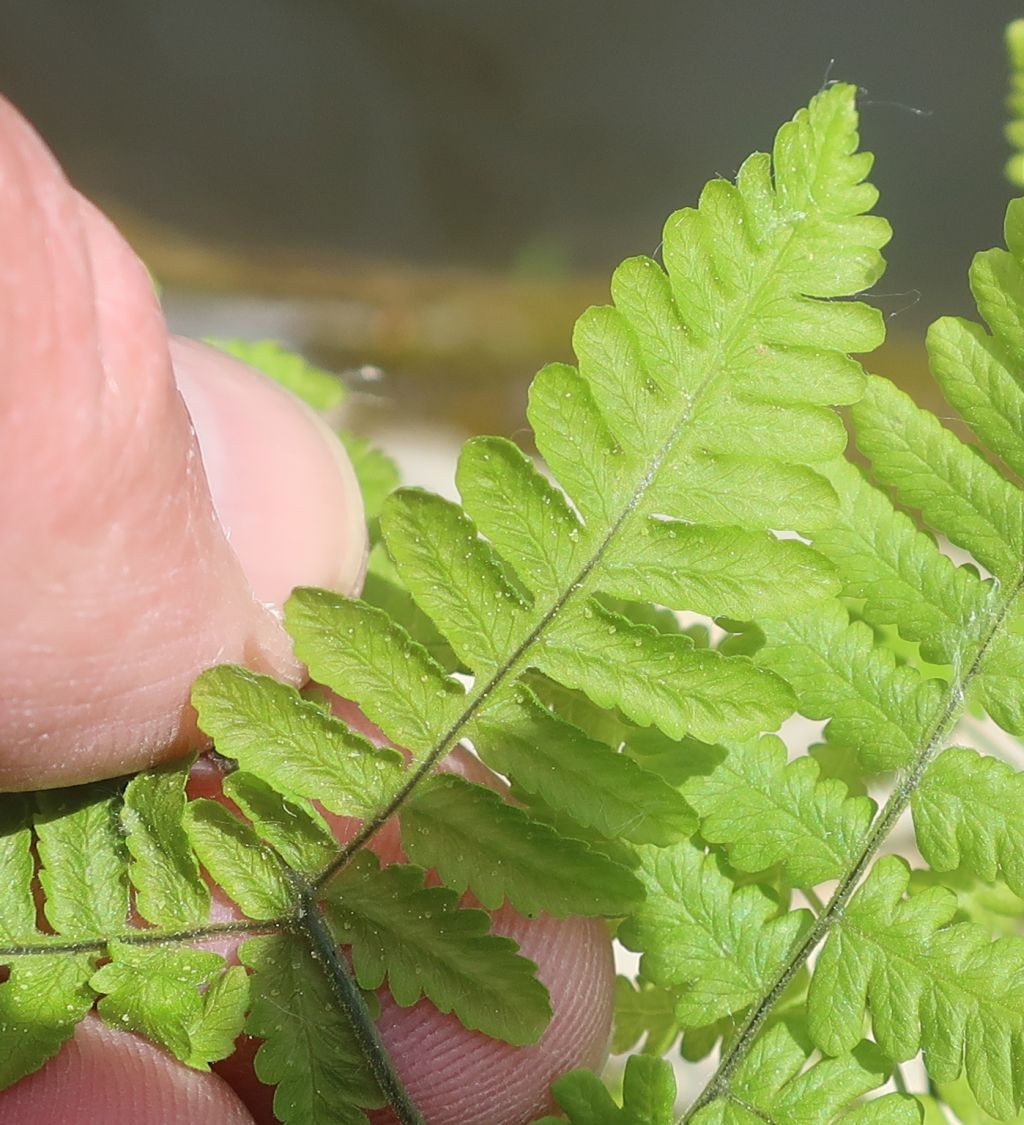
column 898, row 571
column 893, row 1109
column 959, row 493
column 989, row 400
column 377, row 475
column 648, row 1096
column 690, row 394
column 945, row 989
column 654, row 677
column 294, row 829
column 84, row 866
column 697, row 929
column 872, row 704
column 383, row 590
column 169, row 890
column 740, row 489
column 395, row 679
column 45, row 996
column 455, row 577
column 424, row 945
column 958, row 1097
column 992, row 905
column 238, row 860
column 308, row 1051
column 697, row 425
column 767, row 811
column 293, row 744
column 644, row 1011
column 997, row 283
column 774, row 1084
column 967, row 811
column 526, row 517
column 40, row 1003
column 1015, row 102
column 183, row 999
column 475, row 841
column 718, row 570
column 602, row 789
column 400, row 686
column 17, row 869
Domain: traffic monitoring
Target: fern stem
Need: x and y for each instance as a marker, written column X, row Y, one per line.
column 325, row 950
column 882, row 825
column 813, row 899
column 146, row 937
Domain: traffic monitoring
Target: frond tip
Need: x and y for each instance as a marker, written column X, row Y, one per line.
column 695, row 422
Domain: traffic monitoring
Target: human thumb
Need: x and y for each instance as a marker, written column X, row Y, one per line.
column 121, row 575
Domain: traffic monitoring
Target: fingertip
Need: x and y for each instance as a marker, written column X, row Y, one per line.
column 114, row 1076
column 282, row 485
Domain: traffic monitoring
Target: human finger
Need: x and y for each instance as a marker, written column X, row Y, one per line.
column 118, row 579
column 104, row 1075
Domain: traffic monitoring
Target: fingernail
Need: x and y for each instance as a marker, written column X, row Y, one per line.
column 283, row 487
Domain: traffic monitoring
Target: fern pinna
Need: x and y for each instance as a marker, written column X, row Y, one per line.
column 698, row 425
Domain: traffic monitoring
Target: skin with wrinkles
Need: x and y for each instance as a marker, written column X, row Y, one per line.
column 110, row 535
column 157, row 502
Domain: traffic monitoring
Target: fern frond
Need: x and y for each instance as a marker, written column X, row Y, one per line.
column 169, row 890
column 881, row 708
column 157, row 992
column 926, row 984
column 84, row 873
column 776, row 1084
column 231, row 851
column 604, row 790
column 183, row 999
column 956, row 490
column 425, row 945
column 967, row 811
column 898, row 571
column 292, row 743
column 768, row 811
column 476, row 841
column 678, row 408
column 308, row 1051
column 644, row 1011
column 929, row 984
column 293, row 828
column 1015, row 102
column 721, row 944
column 648, row 1096
column 697, row 426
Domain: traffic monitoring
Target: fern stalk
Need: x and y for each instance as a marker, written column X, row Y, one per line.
column 343, row 984
column 156, row 937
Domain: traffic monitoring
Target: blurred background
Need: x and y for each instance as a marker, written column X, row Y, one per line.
column 426, row 195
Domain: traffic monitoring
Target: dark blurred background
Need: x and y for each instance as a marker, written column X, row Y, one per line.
column 439, row 188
